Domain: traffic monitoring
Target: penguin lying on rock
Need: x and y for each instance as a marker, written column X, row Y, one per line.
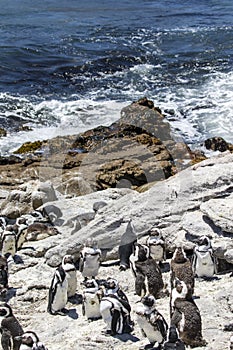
column 204, row 263
column 185, row 316
column 181, row 268
column 148, row 276
column 115, row 309
column 58, row 293
column 30, row 341
column 151, row 322
column 10, row 328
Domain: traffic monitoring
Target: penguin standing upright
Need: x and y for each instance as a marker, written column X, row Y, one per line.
column 58, row 293
column 10, row 328
column 203, row 260
column 71, row 274
column 151, row 322
column 3, row 277
column 8, row 241
column 128, row 239
column 173, row 341
column 156, row 244
column 89, row 262
column 186, row 316
column 181, row 268
column 115, row 309
column 92, row 295
column 30, row 341
column 148, row 276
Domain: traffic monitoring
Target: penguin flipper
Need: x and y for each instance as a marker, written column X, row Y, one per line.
column 176, row 318
column 5, row 339
column 115, row 319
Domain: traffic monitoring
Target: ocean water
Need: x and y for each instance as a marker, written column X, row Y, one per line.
column 67, row 66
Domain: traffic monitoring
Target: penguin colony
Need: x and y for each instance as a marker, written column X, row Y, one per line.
column 105, row 299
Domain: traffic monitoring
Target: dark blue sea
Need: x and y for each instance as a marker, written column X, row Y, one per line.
column 70, row 65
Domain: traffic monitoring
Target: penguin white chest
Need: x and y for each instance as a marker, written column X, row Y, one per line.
column 92, row 305
column 9, row 245
column 72, row 282
column 60, row 297
column 151, row 331
column 205, row 266
column 157, row 252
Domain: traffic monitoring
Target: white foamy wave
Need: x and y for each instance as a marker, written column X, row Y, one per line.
column 202, row 111
column 71, row 117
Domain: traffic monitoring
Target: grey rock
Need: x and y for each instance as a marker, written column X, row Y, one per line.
column 166, row 205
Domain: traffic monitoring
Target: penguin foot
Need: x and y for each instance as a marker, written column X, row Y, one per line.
column 62, row 312
column 123, row 267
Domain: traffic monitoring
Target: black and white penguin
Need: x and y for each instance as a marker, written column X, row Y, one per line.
column 89, row 262
column 148, row 275
column 21, row 235
column 30, row 341
column 186, row 316
column 71, row 274
column 156, row 244
column 126, row 246
column 151, row 322
column 92, row 295
column 58, row 293
column 204, row 263
column 231, row 343
column 115, row 309
column 173, row 341
column 8, row 243
column 10, row 328
column 181, row 268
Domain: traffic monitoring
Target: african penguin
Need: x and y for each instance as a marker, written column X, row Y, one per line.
column 186, row 317
column 151, row 322
column 92, row 295
column 128, row 239
column 30, row 341
column 156, row 244
column 203, row 260
column 71, row 274
column 231, row 343
column 58, row 293
column 173, row 341
column 89, row 262
column 115, row 309
column 147, row 273
column 181, row 268
column 8, row 241
column 10, row 328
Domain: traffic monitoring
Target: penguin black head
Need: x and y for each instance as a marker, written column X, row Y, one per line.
column 179, row 255
column 5, row 310
column 142, row 252
column 111, row 283
column 204, row 240
column 91, row 243
column 181, row 288
column 28, row 338
column 148, row 300
column 68, row 259
column 155, row 232
column 91, row 283
column 172, row 335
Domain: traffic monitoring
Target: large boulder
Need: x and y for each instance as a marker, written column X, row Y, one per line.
column 166, row 205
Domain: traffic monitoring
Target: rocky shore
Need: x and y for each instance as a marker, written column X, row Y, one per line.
column 133, row 170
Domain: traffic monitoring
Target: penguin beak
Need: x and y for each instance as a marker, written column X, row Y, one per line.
column 18, row 337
